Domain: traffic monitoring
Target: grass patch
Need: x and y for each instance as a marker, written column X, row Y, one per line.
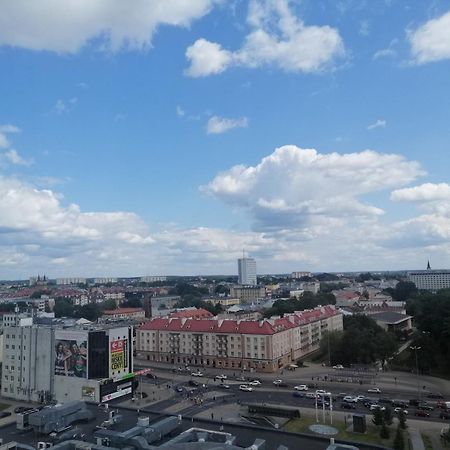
column 427, row 441
column 372, row 435
column 4, row 406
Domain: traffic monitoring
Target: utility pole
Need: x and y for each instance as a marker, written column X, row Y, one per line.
column 416, row 348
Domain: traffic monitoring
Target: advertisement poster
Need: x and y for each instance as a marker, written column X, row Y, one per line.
column 118, row 354
column 88, row 393
column 71, row 354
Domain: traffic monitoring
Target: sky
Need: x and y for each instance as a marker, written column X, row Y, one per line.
column 164, row 137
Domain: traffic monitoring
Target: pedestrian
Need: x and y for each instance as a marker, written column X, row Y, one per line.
column 212, row 416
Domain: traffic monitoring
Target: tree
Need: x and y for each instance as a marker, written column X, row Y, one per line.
column 63, row 308
column 222, row 289
column 402, row 419
column 388, row 416
column 109, row 304
column 91, row 312
column 384, row 431
column 399, row 441
column 404, row 290
column 377, row 417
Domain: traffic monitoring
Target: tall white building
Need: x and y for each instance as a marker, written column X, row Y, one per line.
column 430, row 280
column 247, row 271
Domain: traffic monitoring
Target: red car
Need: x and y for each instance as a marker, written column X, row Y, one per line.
column 421, row 413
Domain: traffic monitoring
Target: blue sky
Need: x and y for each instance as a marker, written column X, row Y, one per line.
column 166, row 136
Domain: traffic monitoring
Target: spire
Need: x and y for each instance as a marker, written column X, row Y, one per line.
column 428, row 265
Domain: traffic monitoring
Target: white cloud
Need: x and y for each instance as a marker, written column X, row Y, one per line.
column 66, row 27
column 62, row 106
column 380, row 123
column 277, row 38
column 431, row 41
column 207, row 58
column 12, row 157
column 219, row 125
column 180, row 111
column 388, row 51
column 364, row 28
column 427, row 192
column 4, row 131
column 297, row 188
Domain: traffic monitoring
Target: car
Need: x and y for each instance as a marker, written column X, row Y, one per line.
column 374, row 390
column 400, row 404
column 360, row 398
column 321, row 402
column 398, row 409
column 441, row 404
column 385, row 400
column 350, row 399
column 240, row 379
column 348, row 406
column 193, row 383
column 21, row 409
column 197, row 374
column 298, row 394
column 245, row 388
column 277, row 382
column 179, row 389
column 375, row 406
column 338, row 367
column 4, row 414
column 414, row 402
column 301, row 387
column 444, row 415
column 425, row 407
column 421, row 413
column 224, row 386
column 310, row 395
column 220, row 377
column 435, row 395
column 254, row 383
column 151, row 376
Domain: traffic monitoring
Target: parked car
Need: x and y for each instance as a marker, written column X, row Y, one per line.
column 277, row 382
column 197, row 374
column 240, row 379
column 21, row 409
column 179, row 389
column 435, row 395
column 321, row 402
column 400, row 404
column 421, row 413
column 301, row 387
column 298, row 394
column 385, row 400
column 348, row 406
column 398, row 409
column 425, row 407
column 338, row 367
column 220, row 377
column 193, row 383
column 374, row 390
column 350, row 399
column 360, row 398
column 310, row 395
column 244, row 387
column 254, row 383
column 414, row 402
column 4, row 414
column 375, row 406
column 224, row 386
column 444, row 415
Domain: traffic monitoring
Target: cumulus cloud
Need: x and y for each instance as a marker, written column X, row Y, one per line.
column 277, row 38
column 66, row 27
column 431, row 41
column 380, row 123
column 4, row 131
column 10, row 156
column 62, row 106
column 219, row 125
column 13, row 157
column 294, row 187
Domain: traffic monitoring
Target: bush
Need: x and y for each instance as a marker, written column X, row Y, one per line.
column 399, row 441
column 384, row 432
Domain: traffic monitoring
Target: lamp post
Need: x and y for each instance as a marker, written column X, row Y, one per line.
column 415, row 348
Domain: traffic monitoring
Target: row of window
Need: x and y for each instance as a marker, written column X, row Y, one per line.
column 13, row 347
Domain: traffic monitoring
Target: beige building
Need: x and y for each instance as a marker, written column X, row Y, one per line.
column 264, row 345
column 224, row 301
column 248, row 294
column 123, row 314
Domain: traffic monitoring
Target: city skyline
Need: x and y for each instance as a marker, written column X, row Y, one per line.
column 165, row 140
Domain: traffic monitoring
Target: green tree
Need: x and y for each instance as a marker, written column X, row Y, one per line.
column 91, row 312
column 399, row 441
column 63, row 308
column 384, row 431
column 402, row 419
column 109, row 304
column 377, row 418
column 404, row 290
column 222, row 289
column 388, row 416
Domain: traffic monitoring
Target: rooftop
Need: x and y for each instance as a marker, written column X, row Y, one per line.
column 112, row 312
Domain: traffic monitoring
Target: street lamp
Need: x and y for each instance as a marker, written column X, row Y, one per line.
column 415, row 348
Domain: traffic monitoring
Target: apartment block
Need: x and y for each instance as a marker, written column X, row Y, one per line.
column 248, row 294
column 430, row 280
column 264, row 346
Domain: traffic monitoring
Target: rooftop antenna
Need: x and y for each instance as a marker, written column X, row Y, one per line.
column 428, row 265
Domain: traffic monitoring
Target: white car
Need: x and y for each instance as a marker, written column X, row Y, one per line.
column 220, row 377
column 375, row 406
column 277, row 382
column 244, row 387
column 255, row 383
column 311, row 395
column 301, row 387
column 197, row 374
column 360, row 398
column 338, row 367
column 374, row 390
column 350, row 399
column 398, row 409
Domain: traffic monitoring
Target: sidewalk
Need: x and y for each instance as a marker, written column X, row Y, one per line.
column 416, row 439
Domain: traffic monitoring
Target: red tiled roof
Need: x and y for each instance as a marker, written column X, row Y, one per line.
column 110, row 312
column 271, row 326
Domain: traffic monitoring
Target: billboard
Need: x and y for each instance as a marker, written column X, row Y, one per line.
column 119, row 352
column 71, row 353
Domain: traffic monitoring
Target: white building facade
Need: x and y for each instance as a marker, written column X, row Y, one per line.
column 430, row 280
column 247, row 272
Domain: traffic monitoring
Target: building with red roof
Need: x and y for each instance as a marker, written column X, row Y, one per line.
column 191, row 313
column 123, row 314
column 262, row 345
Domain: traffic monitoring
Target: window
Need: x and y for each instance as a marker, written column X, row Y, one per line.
column 6, row 345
